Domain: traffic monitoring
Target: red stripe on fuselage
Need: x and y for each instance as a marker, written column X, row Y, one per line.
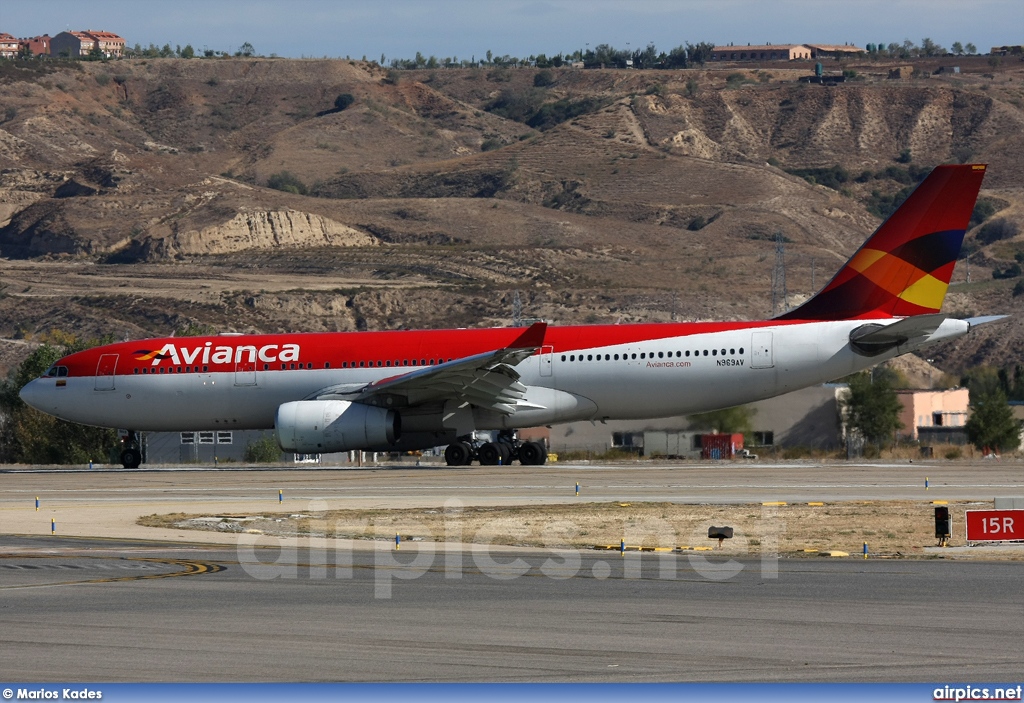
column 336, row 348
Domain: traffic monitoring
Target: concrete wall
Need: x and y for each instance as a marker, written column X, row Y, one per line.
column 807, row 418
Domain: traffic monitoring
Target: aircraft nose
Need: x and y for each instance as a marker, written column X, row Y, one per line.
column 34, row 394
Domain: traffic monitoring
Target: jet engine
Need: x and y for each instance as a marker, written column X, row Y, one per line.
column 322, row 426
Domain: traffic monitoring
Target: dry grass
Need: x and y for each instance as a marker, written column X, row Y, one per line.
column 892, row 528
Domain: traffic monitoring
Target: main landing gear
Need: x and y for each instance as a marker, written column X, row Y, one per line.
column 131, row 450
column 502, row 451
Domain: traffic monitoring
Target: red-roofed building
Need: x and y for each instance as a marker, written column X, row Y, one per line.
column 108, row 42
column 36, row 46
column 73, row 44
column 8, row 46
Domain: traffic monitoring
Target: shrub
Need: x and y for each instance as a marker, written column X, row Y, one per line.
column 543, row 79
column 1018, row 290
column 983, row 210
column 262, row 451
column 997, row 230
column 1011, row 271
column 343, row 101
column 287, row 182
column 491, row 144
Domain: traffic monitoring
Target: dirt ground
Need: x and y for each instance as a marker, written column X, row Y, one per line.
column 898, row 529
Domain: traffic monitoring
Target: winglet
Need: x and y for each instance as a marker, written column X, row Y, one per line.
column 532, row 338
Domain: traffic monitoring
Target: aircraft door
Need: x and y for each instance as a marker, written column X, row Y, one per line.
column 545, row 360
column 761, row 351
column 245, row 373
column 105, row 372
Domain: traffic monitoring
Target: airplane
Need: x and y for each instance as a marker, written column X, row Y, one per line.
column 413, row 389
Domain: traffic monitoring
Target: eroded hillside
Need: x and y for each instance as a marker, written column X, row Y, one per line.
column 134, row 198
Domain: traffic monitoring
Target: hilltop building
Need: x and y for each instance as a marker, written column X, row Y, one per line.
column 37, row 46
column 82, row 43
column 8, row 46
column 784, row 52
column 833, row 51
column 765, row 52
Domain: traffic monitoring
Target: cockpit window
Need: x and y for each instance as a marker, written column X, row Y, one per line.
column 57, row 372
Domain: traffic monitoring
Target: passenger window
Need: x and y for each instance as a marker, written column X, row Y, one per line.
column 732, row 351
column 661, row 355
column 741, row 350
column 714, row 352
column 389, row 363
column 634, row 355
column 616, row 357
column 431, row 362
column 590, row 357
column 705, row 352
column 563, row 357
column 643, row 355
column 205, row 368
column 362, row 364
column 723, row 352
column 284, row 367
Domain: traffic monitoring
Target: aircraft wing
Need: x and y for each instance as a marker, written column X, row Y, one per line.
column 487, row 380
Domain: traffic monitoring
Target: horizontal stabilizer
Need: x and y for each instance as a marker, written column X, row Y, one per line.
column 985, row 319
column 873, row 339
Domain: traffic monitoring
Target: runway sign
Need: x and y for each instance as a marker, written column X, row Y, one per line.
column 995, row 525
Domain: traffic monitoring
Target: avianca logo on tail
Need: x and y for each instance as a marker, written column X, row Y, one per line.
column 219, row 355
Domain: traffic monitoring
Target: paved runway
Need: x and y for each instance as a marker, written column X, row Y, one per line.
column 153, row 612
column 91, row 609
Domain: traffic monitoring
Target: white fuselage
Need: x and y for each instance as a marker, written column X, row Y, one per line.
column 647, row 379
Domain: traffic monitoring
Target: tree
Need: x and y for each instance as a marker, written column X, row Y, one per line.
column 930, row 48
column 188, row 52
column 728, row 421
column 246, row 50
column 29, row 436
column 970, row 48
column 263, row 451
column 872, row 406
column 957, row 48
column 992, row 424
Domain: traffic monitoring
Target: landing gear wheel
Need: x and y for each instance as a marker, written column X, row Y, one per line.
column 490, row 454
column 532, row 454
column 458, row 454
column 508, row 452
column 131, row 458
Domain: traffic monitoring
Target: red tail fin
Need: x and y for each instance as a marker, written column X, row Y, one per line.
column 905, row 266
